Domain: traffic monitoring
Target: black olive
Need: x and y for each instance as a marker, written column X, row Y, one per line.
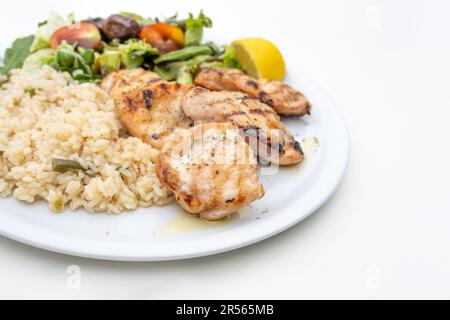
column 99, row 23
column 121, row 27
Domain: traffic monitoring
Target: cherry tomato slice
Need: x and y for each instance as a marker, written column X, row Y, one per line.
column 163, row 36
column 85, row 34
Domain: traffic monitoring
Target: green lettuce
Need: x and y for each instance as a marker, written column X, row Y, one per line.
column 78, row 62
column 46, row 30
column 39, row 59
column 229, row 59
column 184, row 71
column 194, row 29
column 134, row 52
column 16, row 54
column 108, row 61
column 225, row 59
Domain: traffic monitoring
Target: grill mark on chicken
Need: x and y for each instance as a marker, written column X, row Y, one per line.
column 212, row 70
column 156, row 136
column 257, row 134
column 165, row 175
column 237, row 113
column 199, row 90
column 130, row 105
column 298, row 147
column 258, row 111
column 252, row 84
column 148, row 98
column 188, row 198
column 264, row 98
column 163, row 86
column 277, row 147
column 154, row 80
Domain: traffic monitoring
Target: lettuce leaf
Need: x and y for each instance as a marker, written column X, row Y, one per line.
column 194, row 29
column 229, row 59
column 134, row 52
column 39, row 59
column 78, row 62
column 46, row 30
column 108, row 61
column 16, row 55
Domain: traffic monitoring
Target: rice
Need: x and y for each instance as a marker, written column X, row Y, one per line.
column 44, row 114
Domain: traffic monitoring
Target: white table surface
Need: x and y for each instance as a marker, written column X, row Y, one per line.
column 386, row 231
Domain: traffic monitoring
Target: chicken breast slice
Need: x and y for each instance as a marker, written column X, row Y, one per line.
column 258, row 122
column 211, row 170
column 128, row 79
column 281, row 97
column 153, row 112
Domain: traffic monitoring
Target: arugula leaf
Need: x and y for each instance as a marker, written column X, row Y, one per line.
column 16, row 55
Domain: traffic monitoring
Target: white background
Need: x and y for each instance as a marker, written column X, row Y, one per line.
column 386, row 231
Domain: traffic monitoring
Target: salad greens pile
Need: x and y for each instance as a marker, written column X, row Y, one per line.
column 92, row 48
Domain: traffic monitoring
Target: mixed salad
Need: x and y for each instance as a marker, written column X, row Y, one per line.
column 89, row 49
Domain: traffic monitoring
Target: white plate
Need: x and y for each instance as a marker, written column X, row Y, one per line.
column 166, row 233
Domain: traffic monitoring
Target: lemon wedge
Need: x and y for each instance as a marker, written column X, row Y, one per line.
column 260, row 58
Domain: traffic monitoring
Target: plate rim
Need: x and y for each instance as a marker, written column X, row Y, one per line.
column 287, row 224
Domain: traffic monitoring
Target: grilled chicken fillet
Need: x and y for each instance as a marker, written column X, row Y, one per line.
column 281, row 97
column 259, row 123
column 152, row 112
column 211, row 170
